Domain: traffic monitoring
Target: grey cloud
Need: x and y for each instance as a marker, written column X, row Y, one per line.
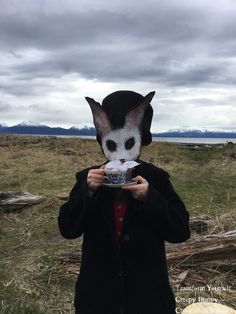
column 49, row 113
column 4, row 107
column 162, row 25
column 127, row 66
column 165, row 22
column 172, row 104
column 151, row 45
column 173, row 44
column 54, row 31
column 18, row 89
column 43, row 108
column 35, row 112
column 121, row 46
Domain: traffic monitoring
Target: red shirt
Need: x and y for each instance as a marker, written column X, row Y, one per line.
column 119, row 211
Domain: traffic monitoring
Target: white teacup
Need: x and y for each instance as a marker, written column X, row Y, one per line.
column 117, row 176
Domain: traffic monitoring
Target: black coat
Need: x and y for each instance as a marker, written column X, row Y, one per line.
column 133, row 280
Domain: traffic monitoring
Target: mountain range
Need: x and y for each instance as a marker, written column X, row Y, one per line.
column 28, row 128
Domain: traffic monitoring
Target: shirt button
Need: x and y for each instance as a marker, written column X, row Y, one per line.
column 126, row 237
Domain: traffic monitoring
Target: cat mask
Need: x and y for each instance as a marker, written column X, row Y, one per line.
column 123, row 123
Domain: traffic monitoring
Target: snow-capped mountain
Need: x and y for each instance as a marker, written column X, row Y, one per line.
column 29, row 123
column 29, row 127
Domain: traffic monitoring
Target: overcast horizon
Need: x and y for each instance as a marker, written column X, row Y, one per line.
column 54, row 53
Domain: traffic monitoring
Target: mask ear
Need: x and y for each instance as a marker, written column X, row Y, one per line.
column 135, row 116
column 100, row 118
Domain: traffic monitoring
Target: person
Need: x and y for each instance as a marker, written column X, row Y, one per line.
column 123, row 266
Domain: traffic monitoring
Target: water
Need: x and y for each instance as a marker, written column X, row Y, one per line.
column 188, row 140
column 193, row 140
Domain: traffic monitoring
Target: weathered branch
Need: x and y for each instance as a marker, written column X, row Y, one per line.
column 12, row 201
column 208, row 250
column 200, row 223
column 200, row 251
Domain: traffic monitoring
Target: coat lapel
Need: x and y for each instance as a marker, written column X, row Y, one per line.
column 133, row 204
column 107, row 197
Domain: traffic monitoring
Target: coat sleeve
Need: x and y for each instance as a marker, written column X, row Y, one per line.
column 74, row 214
column 165, row 211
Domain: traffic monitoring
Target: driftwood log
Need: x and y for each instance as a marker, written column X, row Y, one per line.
column 201, row 251
column 12, row 201
column 209, row 223
column 208, row 250
column 200, row 224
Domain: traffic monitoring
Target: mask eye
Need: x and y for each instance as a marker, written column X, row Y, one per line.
column 129, row 143
column 111, row 145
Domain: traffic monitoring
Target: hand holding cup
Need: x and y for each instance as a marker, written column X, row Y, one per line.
column 139, row 190
column 95, row 178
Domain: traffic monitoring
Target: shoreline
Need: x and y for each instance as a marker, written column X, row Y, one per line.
column 174, row 140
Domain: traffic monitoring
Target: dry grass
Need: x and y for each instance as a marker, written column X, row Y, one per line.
column 32, row 281
column 198, row 285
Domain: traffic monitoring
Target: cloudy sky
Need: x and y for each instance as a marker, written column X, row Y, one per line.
column 55, row 52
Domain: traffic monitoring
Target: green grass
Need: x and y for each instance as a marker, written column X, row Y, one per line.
column 32, row 280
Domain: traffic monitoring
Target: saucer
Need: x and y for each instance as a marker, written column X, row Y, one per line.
column 118, row 185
